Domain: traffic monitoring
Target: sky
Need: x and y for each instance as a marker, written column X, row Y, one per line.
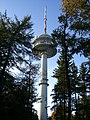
column 35, row 8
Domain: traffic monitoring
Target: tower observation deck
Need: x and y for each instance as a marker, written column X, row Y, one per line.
column 44, row 47
column 44, row 43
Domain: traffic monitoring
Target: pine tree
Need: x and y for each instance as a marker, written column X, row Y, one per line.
column 66, row 42
column 14, row 42
column 72, row 36
column 15, row 49
column 84, row 94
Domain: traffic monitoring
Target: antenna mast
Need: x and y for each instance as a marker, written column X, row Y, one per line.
column 45, row 19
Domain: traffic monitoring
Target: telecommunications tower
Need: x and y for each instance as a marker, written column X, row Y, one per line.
column 44, row 48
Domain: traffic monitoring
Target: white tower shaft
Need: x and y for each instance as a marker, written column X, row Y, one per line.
column 44, row 48
column 43, row 87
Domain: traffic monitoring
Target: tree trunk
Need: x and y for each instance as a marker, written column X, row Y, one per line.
column 66, row 70
column 64, row 105
column 69, row 86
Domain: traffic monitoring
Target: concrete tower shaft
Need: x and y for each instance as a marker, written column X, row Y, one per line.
column 43, row 85
column 44, row 48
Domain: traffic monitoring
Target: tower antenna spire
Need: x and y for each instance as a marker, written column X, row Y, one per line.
column 45, row 19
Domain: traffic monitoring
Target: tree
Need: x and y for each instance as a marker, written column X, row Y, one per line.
column 84, row 91
column 28, row 80
column 15, row 49
column 14, row 42
column 79, row 13
column 72, row 7
column 72, row 36
column 66, row 42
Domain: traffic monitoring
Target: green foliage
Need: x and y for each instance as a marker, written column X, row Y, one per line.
column 66, row 42
column 16, row 92
column 72, row 87
column 72, row 37
column 15, row 37
column 78, row 13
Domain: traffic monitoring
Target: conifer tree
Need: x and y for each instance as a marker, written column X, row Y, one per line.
column 15, row 49
column 84, row 77
column 66, row 43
